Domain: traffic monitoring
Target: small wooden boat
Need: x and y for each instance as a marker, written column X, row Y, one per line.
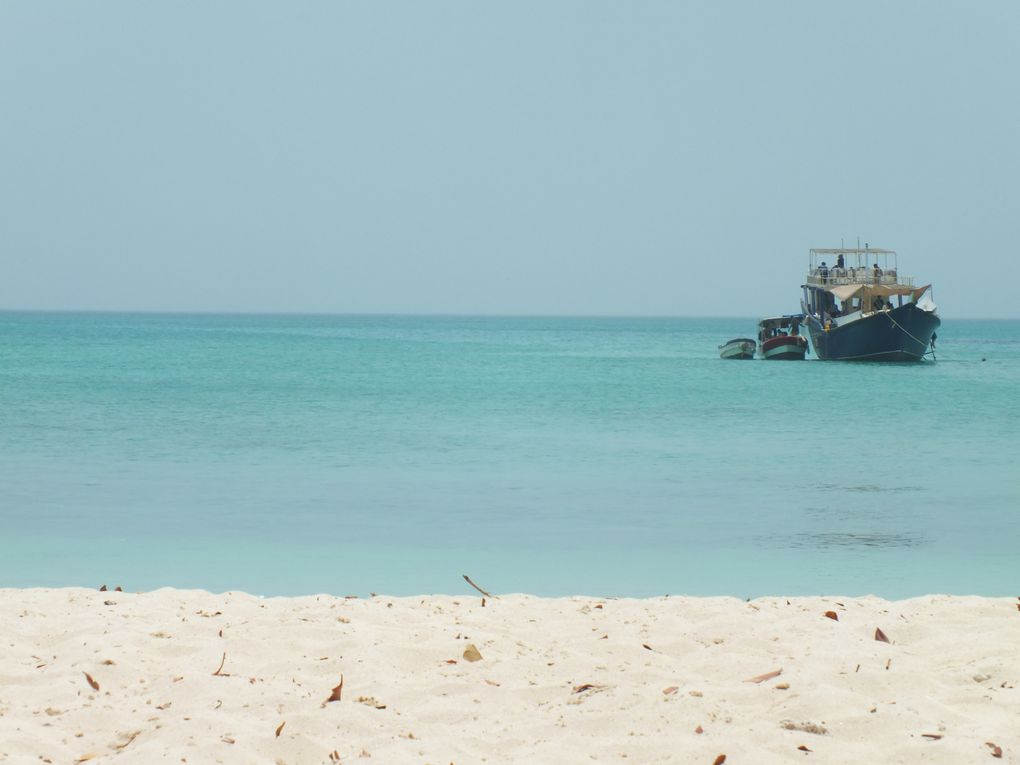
column 737, row 348
column 779, row 338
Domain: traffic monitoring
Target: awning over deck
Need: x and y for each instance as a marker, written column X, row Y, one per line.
column 847, row 291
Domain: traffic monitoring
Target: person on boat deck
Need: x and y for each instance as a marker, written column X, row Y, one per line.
column 839, row 260
column 823, row 271
column 876, row 272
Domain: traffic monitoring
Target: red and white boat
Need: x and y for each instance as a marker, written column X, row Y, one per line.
column 779, row 339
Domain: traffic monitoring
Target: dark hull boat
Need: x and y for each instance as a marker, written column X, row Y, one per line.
column 898, row 334
column 861, row 309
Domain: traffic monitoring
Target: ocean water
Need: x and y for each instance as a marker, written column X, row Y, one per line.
column 358, row 454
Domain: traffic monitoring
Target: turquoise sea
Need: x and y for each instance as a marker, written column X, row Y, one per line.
column 356, row 454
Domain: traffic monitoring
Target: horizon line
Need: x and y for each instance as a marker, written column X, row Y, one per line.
column 414, row 314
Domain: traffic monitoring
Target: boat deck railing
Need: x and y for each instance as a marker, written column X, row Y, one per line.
column 838, row 276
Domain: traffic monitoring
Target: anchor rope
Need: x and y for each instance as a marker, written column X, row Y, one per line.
column 907, row 332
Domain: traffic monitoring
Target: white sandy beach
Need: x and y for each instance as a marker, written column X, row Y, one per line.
column 565, row 680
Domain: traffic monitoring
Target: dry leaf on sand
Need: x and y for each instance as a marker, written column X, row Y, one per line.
column 93, row 683
column 337, row 692
column 832, row 615
column 128, row 738
column 471, row 653
column 370, row 701
column 766, row 676
column 805, row 727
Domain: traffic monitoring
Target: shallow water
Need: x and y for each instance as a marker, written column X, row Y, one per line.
column 295, row 454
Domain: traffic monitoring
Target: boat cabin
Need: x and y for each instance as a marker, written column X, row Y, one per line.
column 845, row 282
column 779, row 326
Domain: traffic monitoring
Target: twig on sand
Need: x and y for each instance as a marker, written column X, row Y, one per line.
column 219, row 670
column 486, row 594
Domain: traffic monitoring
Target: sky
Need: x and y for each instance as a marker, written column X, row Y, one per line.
column 555, row 157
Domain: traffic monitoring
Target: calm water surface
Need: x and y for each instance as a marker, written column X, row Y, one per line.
column 298, row 454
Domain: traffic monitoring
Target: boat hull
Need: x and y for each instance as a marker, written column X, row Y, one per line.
column 739, row 348
column 790, row 348
column 902, row 334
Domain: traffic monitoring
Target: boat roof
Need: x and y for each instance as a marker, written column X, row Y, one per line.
column 852, row 251
column 781, row 321
column 738, row 340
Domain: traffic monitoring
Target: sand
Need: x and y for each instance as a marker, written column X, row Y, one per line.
column 121, row 677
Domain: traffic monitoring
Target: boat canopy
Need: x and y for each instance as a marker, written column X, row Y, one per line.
column 787, row 320
column 847, row 291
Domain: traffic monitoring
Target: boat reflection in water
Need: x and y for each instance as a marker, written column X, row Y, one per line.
column 857, row 306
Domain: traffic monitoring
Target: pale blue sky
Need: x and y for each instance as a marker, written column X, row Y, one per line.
column 519, row 157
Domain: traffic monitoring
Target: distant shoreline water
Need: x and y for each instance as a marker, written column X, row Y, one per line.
column 399, row 315
column 296, row 453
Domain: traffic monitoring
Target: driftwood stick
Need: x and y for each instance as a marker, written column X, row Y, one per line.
column 486, row 594
column 219, row 671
